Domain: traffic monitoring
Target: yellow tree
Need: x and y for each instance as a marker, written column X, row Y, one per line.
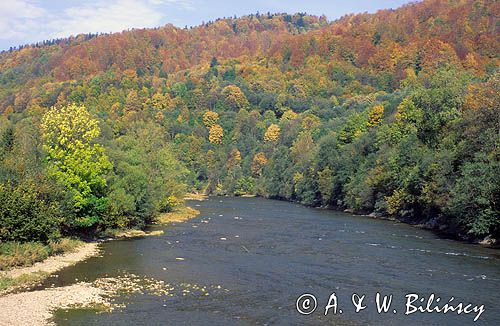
column 288, row 116
column 375, row 116
column 210, row 118
column 233, row 166
column 272, row 133
column 159, row 116
column 133, row 103
column 258, row 162
column 234, row 97
column 161, row 102
column 470, row 61
column 215, row 134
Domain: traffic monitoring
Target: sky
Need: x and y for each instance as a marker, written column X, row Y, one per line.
column 28, row 21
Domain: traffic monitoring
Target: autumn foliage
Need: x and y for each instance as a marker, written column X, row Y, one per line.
column 392, row 113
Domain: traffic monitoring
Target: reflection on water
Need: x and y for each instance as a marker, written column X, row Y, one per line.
column 264, row 254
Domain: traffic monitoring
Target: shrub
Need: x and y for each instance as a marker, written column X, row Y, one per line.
column 14, row 254
column 22, row 254
column 25, row 215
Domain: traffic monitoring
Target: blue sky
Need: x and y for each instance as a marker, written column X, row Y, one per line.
column 26, row 21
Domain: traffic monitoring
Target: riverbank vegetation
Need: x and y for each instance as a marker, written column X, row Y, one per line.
column 27, row 264
column 13, row 254
column 394, row 113
column 22, row 254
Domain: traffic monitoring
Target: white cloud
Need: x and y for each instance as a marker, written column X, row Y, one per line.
column 19, row 18
column 24, row 21
column 185, row 4
column 105, row 16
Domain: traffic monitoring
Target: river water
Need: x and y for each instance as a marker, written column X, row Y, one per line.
column 254, row 257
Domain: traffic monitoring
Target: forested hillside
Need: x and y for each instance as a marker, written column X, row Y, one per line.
column 395, row 113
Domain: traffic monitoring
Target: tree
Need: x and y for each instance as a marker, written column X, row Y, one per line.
column 476, row 196
column 158, row 101
column 215, row 135
column 310, row 122
column 133, row 103
column 325, row 184
column 272, row 133
column 375, row 116
column 25, row 215
column 288, row 115
column 234, row 98
column 146, row 179
column 76, row 161
column 234, row 158
column 213, row 62
column 258, row 162
column 210, row 118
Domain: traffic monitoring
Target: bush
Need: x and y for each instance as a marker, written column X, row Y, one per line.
column 22, row 254
column 475, row 197
column 25, row 215
column 63, row 245
column 14, row 254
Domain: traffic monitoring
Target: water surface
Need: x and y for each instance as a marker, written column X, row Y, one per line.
column 257, row 256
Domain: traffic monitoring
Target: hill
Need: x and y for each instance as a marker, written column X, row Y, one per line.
column 394, row 113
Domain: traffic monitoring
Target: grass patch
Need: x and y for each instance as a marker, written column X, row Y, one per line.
column 180, row 214
column 15, row 254
column 23, row 280
column 64, row 245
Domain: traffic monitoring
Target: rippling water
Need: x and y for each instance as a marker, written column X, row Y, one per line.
column 258, row 256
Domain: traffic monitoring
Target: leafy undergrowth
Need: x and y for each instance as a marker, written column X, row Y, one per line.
column 16, row 254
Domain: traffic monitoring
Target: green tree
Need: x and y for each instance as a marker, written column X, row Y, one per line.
column 76, row 161
column 476, row 197
column 27, row 214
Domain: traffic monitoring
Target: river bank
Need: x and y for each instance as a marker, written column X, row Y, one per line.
column 26, row 276
column 444, row 231
column 267, row 253
column 35, row 307
column 23, row 277
column 269, row 245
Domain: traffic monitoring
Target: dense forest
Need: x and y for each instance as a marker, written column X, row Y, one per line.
column 393, row 114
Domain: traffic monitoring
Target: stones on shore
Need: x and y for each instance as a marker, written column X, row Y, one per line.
column 138, row 233
column 33, row 275
column 36, row 307
column 488, row 241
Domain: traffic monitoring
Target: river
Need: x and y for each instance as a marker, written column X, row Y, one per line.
column 255, row 257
